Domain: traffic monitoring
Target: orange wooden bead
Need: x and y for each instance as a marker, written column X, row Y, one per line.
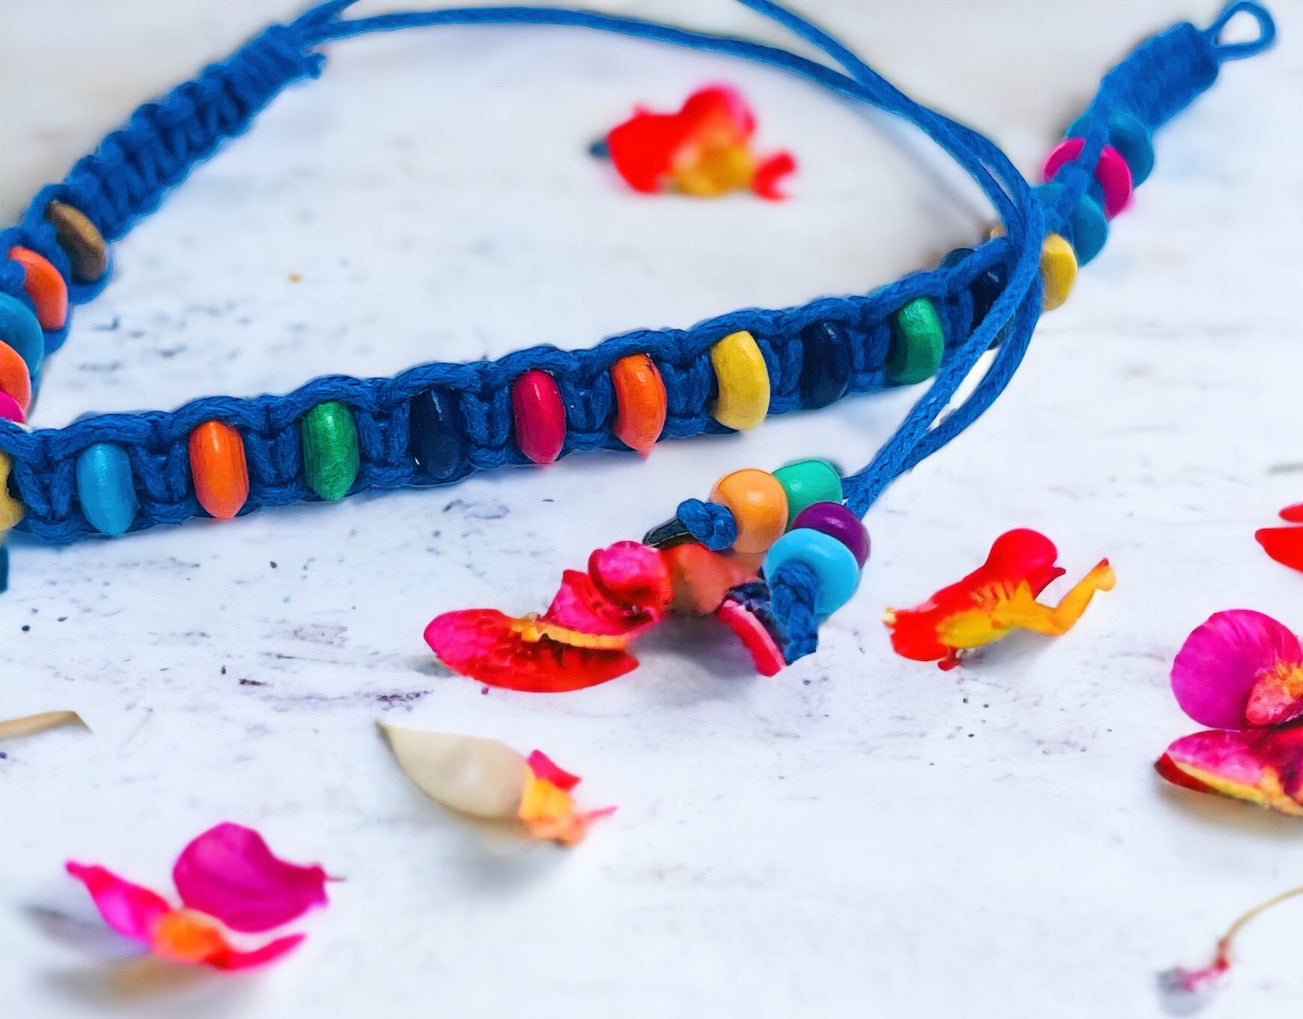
column 15, row 378
column 640, row 402
column 219, row 469
column 701, row 578
column 44, row 285
column 758, row 503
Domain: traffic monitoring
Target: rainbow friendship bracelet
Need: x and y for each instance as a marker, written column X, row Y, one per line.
column 222, row 457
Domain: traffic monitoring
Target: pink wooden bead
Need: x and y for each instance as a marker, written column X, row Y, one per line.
column 540, row 416
column 10, row 410
column 1112, row 172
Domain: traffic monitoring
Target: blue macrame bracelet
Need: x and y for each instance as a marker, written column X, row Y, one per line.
column 435, row 423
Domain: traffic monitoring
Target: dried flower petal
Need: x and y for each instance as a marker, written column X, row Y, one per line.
column 1233, row 657
column 30, row 725
column 547, row 769
column 546, row 808
column 997, row 597
column 229, row 873
column 1262, row 766
column 469, row 774
column 129, row 909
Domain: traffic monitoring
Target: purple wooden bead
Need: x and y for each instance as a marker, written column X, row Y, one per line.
column 834, row 519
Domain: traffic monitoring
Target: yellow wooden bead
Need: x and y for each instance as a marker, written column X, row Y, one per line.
column 11, row 510
column 743, row 379
column 1058, row 270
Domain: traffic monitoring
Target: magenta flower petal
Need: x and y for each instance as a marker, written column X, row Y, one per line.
column 230, row 958
column 230, row 873
column 129, row 909
column 549, row 771
column 1222, row 660
column 1262, row 766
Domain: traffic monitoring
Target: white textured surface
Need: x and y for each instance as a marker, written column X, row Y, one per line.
column 860, row 836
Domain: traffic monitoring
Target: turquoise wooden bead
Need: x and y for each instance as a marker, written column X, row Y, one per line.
column 807, row 482
column 831, row 561
column 105, row 488
column 917, row 343
column 330, row 452
column 19, row 329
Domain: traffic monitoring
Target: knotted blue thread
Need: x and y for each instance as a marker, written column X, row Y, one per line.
column 794, row 589
column 709, row 523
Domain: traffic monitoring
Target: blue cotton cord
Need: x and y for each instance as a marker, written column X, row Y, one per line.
column 709, row 523
column 794, row 591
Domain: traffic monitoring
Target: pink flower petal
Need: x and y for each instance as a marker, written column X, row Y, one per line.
column 230, row 958
column 580, row 605
column 129, row 909
column 1222, row 660
column 230, row 873
column 1262, row 766
column 545, row 768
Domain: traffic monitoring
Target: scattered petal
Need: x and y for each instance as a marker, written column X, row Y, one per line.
column 187, row 936
column 1284, row 544
column 129, row 909
column 469, row 774
column 546, row 808
column 1293, row 514
column 1234, row 656
column 746, row 612
column 230, row 873
column 30, row 725
column 702, row 578
column 994, row 599
column 703, row 150
column 547, row 769
column 1261, row 766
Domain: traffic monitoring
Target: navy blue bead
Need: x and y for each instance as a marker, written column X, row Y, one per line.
column 985, row 288
column 825, row 364
column 436, row 438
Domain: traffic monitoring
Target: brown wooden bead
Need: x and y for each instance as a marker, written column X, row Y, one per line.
column 80, row 240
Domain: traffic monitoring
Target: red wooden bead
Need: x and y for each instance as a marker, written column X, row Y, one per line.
column 15, row 377
column 640, row 402
column 44, row 285
column 219, row 469
column 540, row 416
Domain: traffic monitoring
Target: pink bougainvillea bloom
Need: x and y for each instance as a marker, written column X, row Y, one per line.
column 996, row 598
column 546, row 808
column 1239, row 668
column 228, row 880
column 1243, row 672
column 704, row 149
column 1285, row 544
column 580, row 641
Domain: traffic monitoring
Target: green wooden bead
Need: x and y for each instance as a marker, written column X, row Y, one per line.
column 917, row 343
column 807, row 482
column 330, row 457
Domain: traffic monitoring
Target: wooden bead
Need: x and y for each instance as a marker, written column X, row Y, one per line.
column 807, row 482
column 640, row 402
column 11, row 510
column 105, row 488
column 330, row 453
column 1130, row 137
column 758, row 504
column 832, row 518
column 1058, row 271
column 219, row 469
column 825, row 364
column 44, row 285
column 15, row 379
column 1111, row 172
column 20, row 330
column 701, row 578
column 436, row 438
column 831, row 561
column 917, row 343
column 743, row 399
column 540, row 416
column 80, row 240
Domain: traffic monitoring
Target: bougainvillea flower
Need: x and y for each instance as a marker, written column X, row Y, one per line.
column 485, row 779
column 228, row 880
column 704, row 149
column 1285, row 544
column 994, row 599
column 1240, row 668
column 580, row 641
column 1241, row 671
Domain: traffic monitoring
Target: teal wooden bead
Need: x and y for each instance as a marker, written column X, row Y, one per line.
column 807, row 482
column 19, row 329
column 1130, row 137
column 917, row 343
column 330, row 452
column 105, row 488
column 831, row 561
